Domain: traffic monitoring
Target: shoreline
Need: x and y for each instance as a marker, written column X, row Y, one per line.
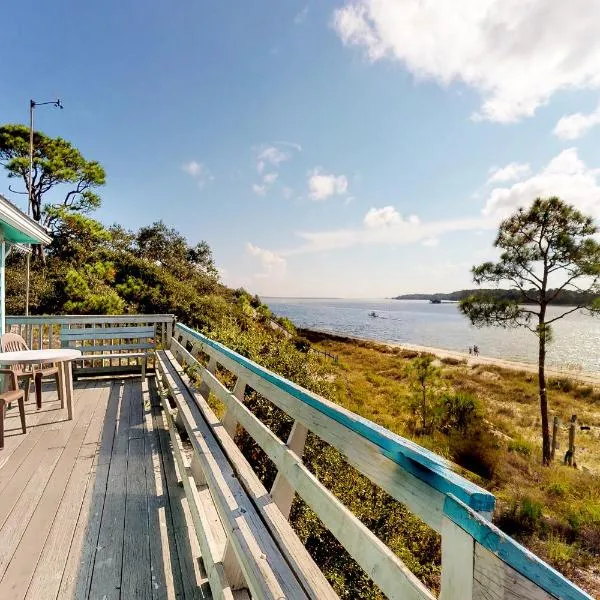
column 582, row 376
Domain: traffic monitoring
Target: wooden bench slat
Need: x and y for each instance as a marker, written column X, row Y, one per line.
column 106, row 334
column 266, row 571
column 116, row 347
column 119, row 355
column 92, row 331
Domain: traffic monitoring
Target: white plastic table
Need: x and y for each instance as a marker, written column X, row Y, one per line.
column 63, row 357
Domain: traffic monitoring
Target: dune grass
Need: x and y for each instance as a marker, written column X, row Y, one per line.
column 555, row 511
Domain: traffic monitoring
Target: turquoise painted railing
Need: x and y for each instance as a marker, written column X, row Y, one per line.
column 478, row 560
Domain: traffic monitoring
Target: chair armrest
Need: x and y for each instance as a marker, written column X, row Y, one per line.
column 15, row 383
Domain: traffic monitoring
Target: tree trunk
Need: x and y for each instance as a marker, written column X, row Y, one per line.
column 546, row 453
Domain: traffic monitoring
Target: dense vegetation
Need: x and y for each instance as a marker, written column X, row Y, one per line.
column 564, row 297
column 91, row 269
column 486, row 419
column 482, row 418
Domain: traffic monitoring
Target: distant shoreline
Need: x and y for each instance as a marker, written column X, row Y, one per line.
column 583, row 376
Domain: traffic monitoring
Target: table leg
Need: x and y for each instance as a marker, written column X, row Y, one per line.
column 69, row 386
column 61, row 384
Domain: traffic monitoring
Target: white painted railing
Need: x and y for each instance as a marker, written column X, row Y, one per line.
column 109, row 336
column 478, row 560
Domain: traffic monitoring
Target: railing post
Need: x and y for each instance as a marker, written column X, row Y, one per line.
column 282, row 491
column 169, row 326
column 458, row 562
column 554, row 437
column 204, row 389
column 229, row 421
column 570, row 455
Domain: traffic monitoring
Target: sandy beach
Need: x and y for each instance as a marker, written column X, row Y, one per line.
column 579, row 375
column 583, row 376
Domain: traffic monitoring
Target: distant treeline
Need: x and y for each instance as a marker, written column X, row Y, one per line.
column 565, row 297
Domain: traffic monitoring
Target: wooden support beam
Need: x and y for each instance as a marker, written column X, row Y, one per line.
column 229, row 421
column 458, row 560
column 282, row 491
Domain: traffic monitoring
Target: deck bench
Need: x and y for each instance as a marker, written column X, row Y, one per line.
column 109, row 343
column 233, row 513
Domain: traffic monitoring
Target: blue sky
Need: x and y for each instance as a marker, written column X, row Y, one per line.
column 358, row 148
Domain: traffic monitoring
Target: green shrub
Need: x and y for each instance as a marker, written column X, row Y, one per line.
column 520, row 446
column 584, row 391
column 453, row 362
column 559, row 489
column 459, row 412
column 559, row 552
column 477, row 453
column 564, row 384
column 522, row 517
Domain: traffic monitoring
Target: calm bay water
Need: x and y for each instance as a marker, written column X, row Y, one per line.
column 576, row 345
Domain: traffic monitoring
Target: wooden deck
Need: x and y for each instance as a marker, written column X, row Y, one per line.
column 91, row 508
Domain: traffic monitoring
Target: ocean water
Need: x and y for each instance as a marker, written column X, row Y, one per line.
column 576, row 342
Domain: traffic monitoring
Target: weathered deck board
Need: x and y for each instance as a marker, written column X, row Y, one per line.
column 136, row 579
column 106, row 576
column 24, row 560
column 51, row 566
column 85, row 505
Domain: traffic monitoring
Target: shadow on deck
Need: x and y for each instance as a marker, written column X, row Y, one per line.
column 91, row 508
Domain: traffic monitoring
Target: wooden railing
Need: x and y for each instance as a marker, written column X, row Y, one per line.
column 478, row 560
column 113, row 334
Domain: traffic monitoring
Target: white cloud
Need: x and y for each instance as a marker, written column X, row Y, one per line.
column 259, row 190
column 386, row 226
column 271, row 155
column 322, row 185
column 430, row 242
column 571, row 127
column 515, row 54
column 301, row 16
column 566, row 176
column 267, row 181
column 198, row 171
column 193, row 168
column 511, row 172
column 273, row 264
column 287, row 192
column 274, row 154
column 382, row 217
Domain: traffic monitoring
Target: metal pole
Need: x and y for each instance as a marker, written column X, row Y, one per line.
column 29, row 199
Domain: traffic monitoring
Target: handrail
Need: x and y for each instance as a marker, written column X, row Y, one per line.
column 478, row 560
column 420, row 462
column 488, row 536
column 66, row 319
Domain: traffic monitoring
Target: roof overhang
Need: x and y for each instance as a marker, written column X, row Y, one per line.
column 16, row 227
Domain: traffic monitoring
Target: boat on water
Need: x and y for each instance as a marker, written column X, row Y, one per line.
column 435, row 301
column 373, row 314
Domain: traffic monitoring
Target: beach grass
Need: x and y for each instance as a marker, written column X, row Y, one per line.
column 555, row 510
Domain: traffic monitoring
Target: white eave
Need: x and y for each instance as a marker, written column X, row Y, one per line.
column 18, row 220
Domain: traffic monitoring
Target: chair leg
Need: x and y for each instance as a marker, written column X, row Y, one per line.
column 27, row 389
column 22, row 414
column 38, row 390
column 1, row 424
column 57, row 380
